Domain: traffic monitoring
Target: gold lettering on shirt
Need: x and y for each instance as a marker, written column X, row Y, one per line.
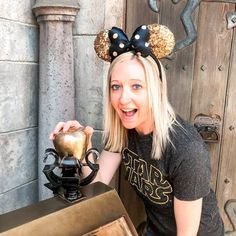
column 146, row 178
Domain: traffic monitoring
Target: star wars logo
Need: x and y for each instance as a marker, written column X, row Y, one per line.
column 147, row 179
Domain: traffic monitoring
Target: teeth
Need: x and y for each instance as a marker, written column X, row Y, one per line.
column 127, row 110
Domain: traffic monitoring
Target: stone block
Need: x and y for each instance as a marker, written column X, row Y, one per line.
column 96, row 15
column 18, row 158
column 18, row 10
column 90, row 18
column 89, row 81
column 97, row 140
column 18, row 95
column 20, row 197
column 19, row 42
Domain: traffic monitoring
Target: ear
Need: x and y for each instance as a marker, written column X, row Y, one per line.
column 102, row 44
column 162, row 40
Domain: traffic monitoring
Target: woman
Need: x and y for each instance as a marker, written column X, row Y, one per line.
column 165, row 158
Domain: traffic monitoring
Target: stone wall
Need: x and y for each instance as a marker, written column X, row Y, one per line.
column 90, row 71
column 18, row 104
column 19, row 89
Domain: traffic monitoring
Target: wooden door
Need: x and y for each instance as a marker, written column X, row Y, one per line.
column 201, row 79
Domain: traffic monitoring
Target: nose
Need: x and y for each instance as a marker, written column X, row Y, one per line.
column 125, row 96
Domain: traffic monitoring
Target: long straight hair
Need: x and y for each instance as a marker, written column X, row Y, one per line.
column 115, row 134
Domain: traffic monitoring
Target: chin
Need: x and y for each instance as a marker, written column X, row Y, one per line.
column 129, row 126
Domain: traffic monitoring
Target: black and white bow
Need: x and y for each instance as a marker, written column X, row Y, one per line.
column 138, row 43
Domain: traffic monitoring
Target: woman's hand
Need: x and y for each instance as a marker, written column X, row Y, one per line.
column 72, row 124
column 108, row 161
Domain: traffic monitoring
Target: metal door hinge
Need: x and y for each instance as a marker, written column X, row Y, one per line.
column 186, row 18
column 231, row 19
column 208, row 127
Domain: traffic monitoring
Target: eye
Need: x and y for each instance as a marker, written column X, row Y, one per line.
column 136, row 86
column 115, row 87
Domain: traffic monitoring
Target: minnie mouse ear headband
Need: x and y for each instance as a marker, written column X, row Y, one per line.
column 152, row 40
column 147, row 40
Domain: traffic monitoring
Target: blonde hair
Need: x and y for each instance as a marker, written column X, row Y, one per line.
column 115, row 135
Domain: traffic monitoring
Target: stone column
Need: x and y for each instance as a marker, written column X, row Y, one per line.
column 56, row 73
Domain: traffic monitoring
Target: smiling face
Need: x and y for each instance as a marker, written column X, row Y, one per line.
column 129, row 96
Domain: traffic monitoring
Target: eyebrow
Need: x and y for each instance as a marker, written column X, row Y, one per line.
column 141, row 80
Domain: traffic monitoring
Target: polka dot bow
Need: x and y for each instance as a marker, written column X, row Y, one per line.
column 154, row 40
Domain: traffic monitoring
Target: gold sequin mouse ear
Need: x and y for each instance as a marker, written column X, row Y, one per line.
column 161, row 39
column 147, row 40
column 102, row 45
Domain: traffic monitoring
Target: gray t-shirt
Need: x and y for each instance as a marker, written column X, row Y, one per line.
column 183, row 171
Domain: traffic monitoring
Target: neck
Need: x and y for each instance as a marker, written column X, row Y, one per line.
column 145, row 131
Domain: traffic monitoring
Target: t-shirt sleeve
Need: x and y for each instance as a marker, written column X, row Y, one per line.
column 191, row 175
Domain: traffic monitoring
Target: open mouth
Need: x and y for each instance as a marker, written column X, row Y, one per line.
column 129, row 113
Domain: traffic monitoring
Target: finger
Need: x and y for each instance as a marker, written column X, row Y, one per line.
column 56, row 130
column 89, row 130
column 71, row 124
column 51, row 136
column 59, row 127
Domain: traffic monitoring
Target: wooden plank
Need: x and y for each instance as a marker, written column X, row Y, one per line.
column 116, row 228
column 213, row 51
column 138, row 13
column 227, row 178
column 229, row 1
column 179, row 71
column 192, row 90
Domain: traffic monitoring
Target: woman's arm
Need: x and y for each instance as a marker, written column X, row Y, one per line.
column 108, row 162
column 187, row 216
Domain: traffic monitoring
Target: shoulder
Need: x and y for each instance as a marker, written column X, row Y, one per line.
column 184, row 130
column 185, row 137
